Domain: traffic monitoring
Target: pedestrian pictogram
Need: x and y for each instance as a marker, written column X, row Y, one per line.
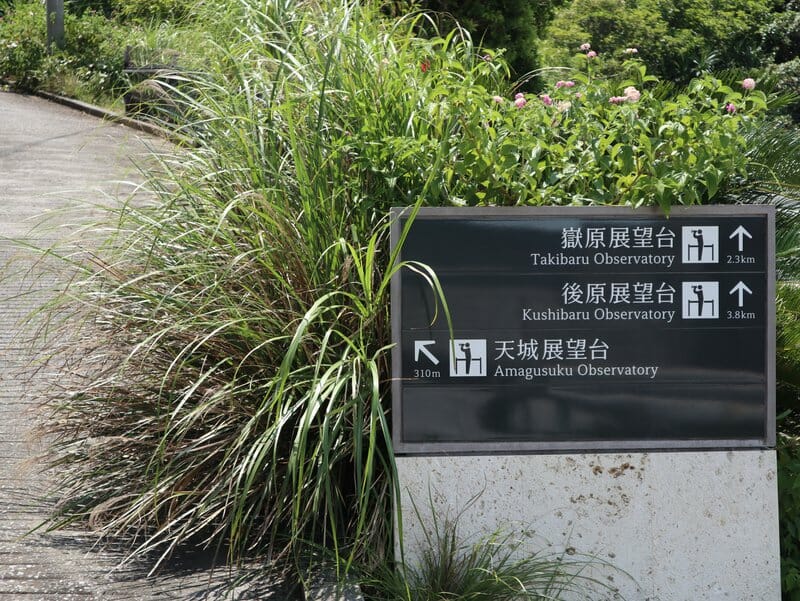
column 700, row 244
column 741, row 232
column 701, row 300
column 421, row 346
column 467, row 357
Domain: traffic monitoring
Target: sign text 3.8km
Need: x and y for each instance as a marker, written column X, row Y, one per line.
column 585, row 328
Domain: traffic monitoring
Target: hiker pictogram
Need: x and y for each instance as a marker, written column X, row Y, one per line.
column 700, row 244
column 468, row 357
column 700, row 300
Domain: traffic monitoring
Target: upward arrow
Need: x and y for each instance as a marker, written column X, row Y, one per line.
column 741, row 288
column 741, row 232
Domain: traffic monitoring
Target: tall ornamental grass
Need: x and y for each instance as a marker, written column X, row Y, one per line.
column 232, row 361
column 229, row 344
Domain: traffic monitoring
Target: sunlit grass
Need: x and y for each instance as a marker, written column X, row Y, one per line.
column 494, row 567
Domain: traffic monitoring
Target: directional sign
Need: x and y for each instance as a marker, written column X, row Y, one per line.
column 584, row 328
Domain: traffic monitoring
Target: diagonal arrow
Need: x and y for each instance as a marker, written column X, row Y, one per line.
column 422, row 346
column 741, row 288
column 741, row 232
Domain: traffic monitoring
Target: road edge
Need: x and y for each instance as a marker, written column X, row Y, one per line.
column 105, row 114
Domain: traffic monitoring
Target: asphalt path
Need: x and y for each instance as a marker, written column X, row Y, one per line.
column 57, row 166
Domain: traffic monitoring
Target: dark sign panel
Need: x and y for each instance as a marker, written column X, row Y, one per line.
column 584, row 328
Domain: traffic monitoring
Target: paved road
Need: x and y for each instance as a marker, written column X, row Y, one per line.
column 55, row 164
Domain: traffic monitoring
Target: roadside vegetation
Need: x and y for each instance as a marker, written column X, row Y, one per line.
column 90, row 67
column 230, row 375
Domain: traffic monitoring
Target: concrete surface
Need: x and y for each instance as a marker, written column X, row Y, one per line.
column 685, row 526
column 324, row 586
column 55, row 165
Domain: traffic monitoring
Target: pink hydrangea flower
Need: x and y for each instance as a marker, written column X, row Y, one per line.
column 498, row 99
column 749, row 83
column 591, row 54
column 519, row 95
column 585, row 46
column 565, row 84
column 520, row 102
column 631, row 51
column 632, row 94
column 731, row 108
column 546, row 99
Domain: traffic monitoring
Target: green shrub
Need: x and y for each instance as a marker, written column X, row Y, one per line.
column 78, row 7
column 23, row 44
column 582, row 142
column 789, row 506
column 787, row 80
column 89, row 65
column 774, row 174
column 140, row 11
column 780, row 36
column 153, row 11
column 94, row 52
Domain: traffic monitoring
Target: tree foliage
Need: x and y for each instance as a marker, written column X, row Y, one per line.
column 675, row 38
column 780, row 40
column 513, row 25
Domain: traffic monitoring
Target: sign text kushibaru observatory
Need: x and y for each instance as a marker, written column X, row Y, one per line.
column 585, row 328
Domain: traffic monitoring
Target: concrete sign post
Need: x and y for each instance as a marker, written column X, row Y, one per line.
column 597, row 335
column 55, row 23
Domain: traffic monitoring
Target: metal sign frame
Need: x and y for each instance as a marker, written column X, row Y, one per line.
column 534, row 213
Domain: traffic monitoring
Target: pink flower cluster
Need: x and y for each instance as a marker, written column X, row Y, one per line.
column 631, row 94
column 565, row 84
column 545, row 98
column 731, row 108
column 749, row 83
column 586, row 47
column 519, row 100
